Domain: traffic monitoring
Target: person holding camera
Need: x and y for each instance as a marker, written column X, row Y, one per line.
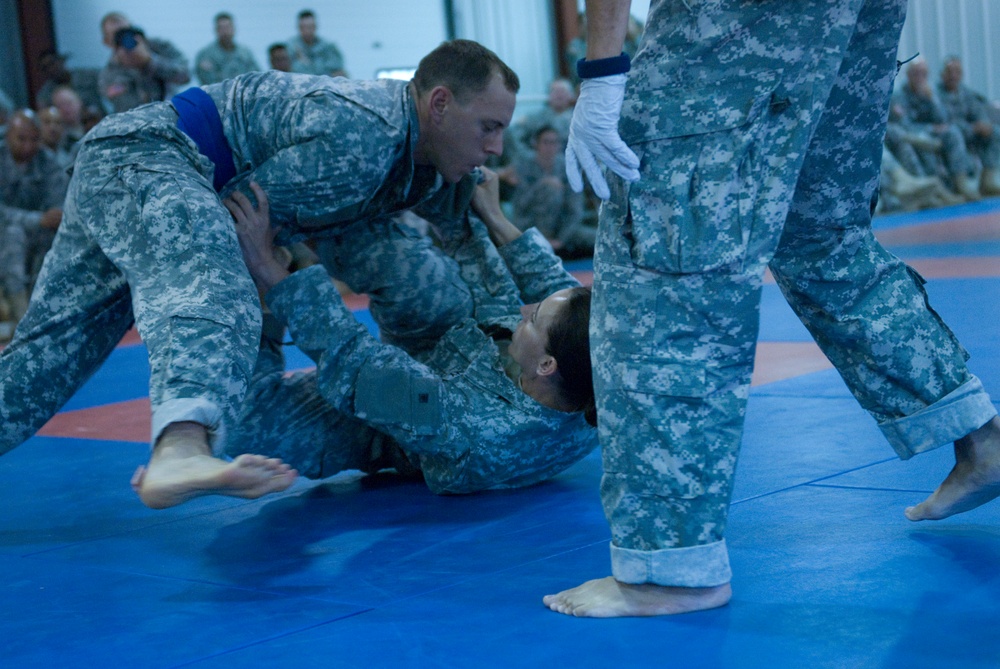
column 141, row 69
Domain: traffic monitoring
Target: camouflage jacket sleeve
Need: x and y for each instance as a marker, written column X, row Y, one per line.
column 466, row 424
column 330, row 161
column 499, row 279
column 328, row 59
column 537, row 271
column 41, row 188
column 206, row 66
column 920, row 109
column 168, row 64
column 17, row 217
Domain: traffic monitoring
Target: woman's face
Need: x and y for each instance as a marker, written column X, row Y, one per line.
column 531, row 338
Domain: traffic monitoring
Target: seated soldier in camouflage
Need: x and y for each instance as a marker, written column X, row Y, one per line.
column 502, row 400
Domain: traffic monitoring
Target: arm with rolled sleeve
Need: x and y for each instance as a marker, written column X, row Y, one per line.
column 167, row 63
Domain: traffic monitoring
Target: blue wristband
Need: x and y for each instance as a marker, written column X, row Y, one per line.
column 603, row 67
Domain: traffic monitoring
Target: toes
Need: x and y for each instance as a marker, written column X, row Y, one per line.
column 137, row 478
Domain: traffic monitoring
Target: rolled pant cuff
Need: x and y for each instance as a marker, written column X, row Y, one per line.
column 193, row 410
column 690, row 567
column 964, row 410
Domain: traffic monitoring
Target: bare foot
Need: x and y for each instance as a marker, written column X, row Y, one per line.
column 179, row 480
column 973, row 481
column 183, row 468
column 607, row 598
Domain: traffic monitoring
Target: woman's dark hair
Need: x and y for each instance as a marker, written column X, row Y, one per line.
column 569, row 344
column 465, row 67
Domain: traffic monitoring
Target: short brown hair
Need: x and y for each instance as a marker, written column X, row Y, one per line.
column 465, row 67
column 569, row 344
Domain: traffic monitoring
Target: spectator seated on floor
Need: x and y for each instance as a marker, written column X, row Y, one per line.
column 279, row 58
column 82, row 79
column 32, row 189
column 899, row 190
column 970, row 113
column 53, row 136
column 224, row 58
column 557, row 113
column 920, row 119
column 311, row 54
column 544, row 200
column 71, row 111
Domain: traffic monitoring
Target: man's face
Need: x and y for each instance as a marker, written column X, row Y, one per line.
column 462, row 136
column 547, row 145
column 281, row 61
column 951, row 75
column 69, row 105
column 52, row 126
column 225, row 31
column 53, row 66
column 109, row 29
column 307, row 29
column 560, row 96
column 916, row 74
column 23, row 139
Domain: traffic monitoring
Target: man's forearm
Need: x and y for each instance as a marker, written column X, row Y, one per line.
column 607, row 23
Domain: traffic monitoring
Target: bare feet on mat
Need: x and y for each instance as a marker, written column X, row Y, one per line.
column 182, row 468
column 973, row 481
column 607, row 598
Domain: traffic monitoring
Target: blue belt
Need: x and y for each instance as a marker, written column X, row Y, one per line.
column 199, row 120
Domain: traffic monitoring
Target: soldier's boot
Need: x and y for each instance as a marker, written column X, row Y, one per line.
column 18, row 305
column 967, row 187
column 906, row 186
column 989, row 183
column 945, row 197
column 924, row 142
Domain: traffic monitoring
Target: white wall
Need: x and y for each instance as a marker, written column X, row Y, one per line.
column 522, row 33
column 969, row 29
column 371, row 35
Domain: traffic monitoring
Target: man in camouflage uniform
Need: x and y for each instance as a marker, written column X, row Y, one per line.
column 223, row 58
column 146, row 237
column 969, row 112
column 938, row 141
column 32, row 188
column 311, row 54
column 453, row 410
column 556, row 114
column 149, row 71
column 543, row 199
column 757, row 129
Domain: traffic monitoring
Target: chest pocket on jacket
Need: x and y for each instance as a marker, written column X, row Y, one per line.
column 399, row 399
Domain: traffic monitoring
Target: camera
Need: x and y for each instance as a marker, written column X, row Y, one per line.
column 126, row 37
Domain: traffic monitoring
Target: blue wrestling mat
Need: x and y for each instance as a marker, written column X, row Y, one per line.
column 378, row 572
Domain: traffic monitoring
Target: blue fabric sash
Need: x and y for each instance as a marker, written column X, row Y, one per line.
column 199, row 119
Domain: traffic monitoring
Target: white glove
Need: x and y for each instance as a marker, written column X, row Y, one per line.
column 593, row 136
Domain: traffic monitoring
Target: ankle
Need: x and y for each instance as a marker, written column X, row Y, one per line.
column 182, row 439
